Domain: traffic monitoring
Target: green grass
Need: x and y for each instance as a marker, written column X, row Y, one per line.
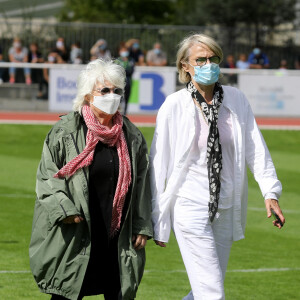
column 264, row 246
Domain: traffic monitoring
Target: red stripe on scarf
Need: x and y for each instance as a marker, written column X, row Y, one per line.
column 112, row 137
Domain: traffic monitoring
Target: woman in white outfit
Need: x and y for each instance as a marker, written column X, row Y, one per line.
column 205, row 138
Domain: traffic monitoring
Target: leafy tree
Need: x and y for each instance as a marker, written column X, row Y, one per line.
column 254, row 13
column 119, row 11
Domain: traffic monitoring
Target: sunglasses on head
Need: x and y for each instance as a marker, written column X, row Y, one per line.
column 107, row 90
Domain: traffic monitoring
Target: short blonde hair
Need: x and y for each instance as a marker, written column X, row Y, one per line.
column 183, row 52
column 97, row 71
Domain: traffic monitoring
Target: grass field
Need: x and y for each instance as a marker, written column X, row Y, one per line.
column 265, row 265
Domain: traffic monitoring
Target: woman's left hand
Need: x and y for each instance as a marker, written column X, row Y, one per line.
column 273, row 204
column 139, row 241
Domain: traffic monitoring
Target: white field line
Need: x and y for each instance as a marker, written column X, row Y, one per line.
column 288, row 211
column 28, row 122
column 14, row 272
column 18, row 195
column 260, row 270
column 231, row 271
column 280, row 127
column 41, row 122
column 140, row 124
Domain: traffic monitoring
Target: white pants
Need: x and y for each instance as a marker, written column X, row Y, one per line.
column 204, row 247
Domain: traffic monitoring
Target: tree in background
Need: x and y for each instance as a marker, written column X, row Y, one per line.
column 253, row 13
column 120, row 11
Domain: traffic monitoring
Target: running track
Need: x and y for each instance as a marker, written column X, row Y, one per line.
column 9, row 117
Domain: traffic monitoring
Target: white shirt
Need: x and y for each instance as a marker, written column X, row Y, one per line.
column 194, row 184
column 172, row 142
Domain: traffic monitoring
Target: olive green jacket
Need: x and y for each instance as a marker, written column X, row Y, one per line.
column 59, row 253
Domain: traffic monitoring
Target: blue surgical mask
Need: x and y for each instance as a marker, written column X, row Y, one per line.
column 103, row 47
column 256, row 51
column 207, row 74
column 136, row 46
column 157, row 51
column 124, row 53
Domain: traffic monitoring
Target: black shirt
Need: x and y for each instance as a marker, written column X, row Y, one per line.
column 102, row 275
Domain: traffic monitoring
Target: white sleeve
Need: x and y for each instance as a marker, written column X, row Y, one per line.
column 159, row 165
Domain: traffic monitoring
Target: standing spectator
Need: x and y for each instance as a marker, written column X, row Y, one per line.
column 76, row 53
column 53, row 58
column 242, row 63
column 230, row 64
column 62, row 50
column 283, row 64
column 128, row 64
column 34, row 57
column 1, row 69
column 100, row 50
column 258, row 60
column 156, row 57
column 135, row 52
column 18, row 53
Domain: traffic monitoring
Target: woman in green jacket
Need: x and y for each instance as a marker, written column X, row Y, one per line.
column 92, row 214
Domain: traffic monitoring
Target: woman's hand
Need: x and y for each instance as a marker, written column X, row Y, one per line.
column 161, row 244
column 273, row 204
column 72, row 219
column 139, row 241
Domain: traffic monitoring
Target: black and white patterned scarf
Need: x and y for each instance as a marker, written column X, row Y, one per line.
column 214, row 150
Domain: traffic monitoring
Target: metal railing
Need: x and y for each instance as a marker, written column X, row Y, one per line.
column 277, row 44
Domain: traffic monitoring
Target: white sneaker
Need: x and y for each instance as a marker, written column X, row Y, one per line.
column 189, row 296
column 1, row 81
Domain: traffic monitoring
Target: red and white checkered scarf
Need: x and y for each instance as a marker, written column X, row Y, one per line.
column 112, row 137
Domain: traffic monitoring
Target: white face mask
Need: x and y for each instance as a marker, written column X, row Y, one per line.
column 108, row 103
column 17, row 45
column 59, row 44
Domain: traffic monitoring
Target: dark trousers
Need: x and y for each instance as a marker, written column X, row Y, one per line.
column 107, row 296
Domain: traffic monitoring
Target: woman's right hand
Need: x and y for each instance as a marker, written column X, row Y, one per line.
column 161, row 244
column 72, row 219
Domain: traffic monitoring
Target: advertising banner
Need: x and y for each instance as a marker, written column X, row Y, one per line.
column 271, row 94
column 151, row 85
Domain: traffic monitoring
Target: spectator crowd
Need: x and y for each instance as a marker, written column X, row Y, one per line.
column 129, row 55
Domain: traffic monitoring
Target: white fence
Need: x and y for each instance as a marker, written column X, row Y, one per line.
column 270, row 92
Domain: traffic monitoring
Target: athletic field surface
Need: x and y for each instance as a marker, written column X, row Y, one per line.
column 263, row 266
column 12, row 117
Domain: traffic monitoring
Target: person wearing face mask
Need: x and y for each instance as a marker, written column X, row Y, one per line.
column 128, row 64
column 156, row 57
column 17, row 53
column 53, row 58
column 258, row 60
column 76, row 53
column 61, row 49
column 92, row 215
column 135, row 52
column 100, row 50
column 205, row 137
